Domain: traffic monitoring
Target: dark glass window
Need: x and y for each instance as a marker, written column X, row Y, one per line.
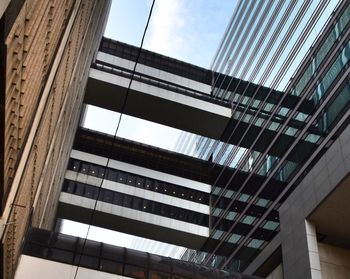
column 69, row 186
column 107, row 195
column 137, row 203
column 159, row 275
column 63, row 242
column 131, row 180
column 74, row 164
column 91, row 192
column 112, row 175
column 127, row 201
column 36, row 250
column 93, row 170
column 60, row 255
column 111, row 266
column 117, row 198
column 87, row 261
column 84, row 167
column 140, row 181
column 137, row 181
column 135, row 272
column 79, row 189
column 121, row 177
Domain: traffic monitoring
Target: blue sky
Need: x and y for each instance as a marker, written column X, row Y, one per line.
column 188, row 30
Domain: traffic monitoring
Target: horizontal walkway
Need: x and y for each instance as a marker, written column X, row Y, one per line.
column 157, row 104
column 48, row 254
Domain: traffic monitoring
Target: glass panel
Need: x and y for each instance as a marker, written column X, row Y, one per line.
column 334, row 108
column 331, row 74
column 231, row 215
column 248, row 220
column 234, row 238
column 270, row 225
column 110, row 266
column 36, row 250
column 61, row 255
column 255, row 243
column 159, row 275
column 135, row 272
column 244, row 197
column 312, row 138
column 262, row 202
column 87, row 261
column 217, row 234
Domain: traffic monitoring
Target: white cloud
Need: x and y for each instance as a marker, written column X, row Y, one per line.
column 132, row 128
column 188, row 30
column 148, row 132
column 167, row 27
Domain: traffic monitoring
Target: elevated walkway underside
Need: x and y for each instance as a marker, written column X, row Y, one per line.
column 54, row 247
column 131, row 221
column 157, row 104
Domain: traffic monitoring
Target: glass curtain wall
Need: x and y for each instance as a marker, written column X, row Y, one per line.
column 284, row 68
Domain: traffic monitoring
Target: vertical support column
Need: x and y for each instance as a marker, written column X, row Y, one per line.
column 312, row 247
column 300, row 252
column 3, row 52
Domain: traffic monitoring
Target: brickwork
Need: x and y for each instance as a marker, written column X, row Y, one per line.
column 31, row 46
column 43, row 83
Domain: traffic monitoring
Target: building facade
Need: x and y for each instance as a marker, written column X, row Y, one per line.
column 294, row 57
column 46, row 48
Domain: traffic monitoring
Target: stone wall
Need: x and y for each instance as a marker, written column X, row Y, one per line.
column 335, row 261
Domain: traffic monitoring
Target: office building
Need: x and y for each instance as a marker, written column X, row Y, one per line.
column 289, row 126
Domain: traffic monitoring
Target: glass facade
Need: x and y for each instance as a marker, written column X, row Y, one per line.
column 134, row 180
column 115, row 260
column 134, row 202
column 284, row 68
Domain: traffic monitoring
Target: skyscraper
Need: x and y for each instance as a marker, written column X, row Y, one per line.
column 286, row 117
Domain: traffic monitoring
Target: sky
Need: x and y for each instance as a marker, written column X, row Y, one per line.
column 188, row 30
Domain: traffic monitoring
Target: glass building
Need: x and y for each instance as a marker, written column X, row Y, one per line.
column 283, row 67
